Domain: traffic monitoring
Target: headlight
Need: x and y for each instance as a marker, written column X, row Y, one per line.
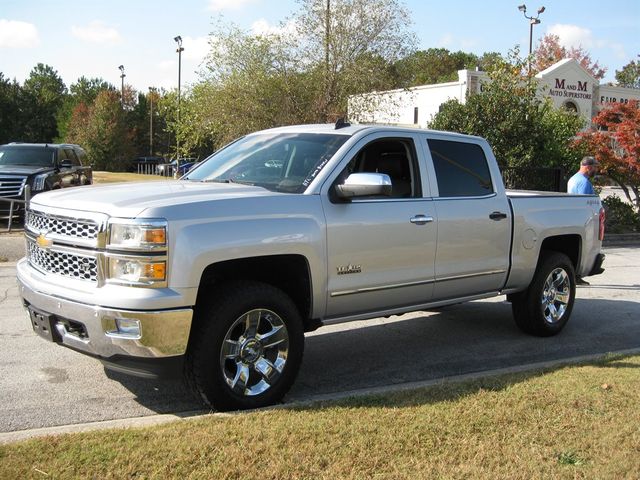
column 137, row 271
column 137, row 235
column 137, row 252
column 39, row 182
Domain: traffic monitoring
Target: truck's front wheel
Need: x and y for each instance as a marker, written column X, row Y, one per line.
column 248, row 348
column 545, row 307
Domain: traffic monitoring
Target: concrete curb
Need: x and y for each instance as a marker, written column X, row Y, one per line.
column 153, row 420
column 621, row 240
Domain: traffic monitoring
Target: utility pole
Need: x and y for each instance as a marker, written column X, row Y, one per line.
column 327, row 76
column 532, row 21
column 152, row 90
column 122, row 75
column 178, row 40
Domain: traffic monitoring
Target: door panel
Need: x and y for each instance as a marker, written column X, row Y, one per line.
column 381, row 250
column 473, row 249
column 378, row 258
column 474, row 218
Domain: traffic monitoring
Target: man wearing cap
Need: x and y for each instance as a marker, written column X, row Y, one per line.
column 579, row 184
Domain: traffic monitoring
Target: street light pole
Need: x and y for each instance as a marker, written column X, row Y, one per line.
column 532, row 21
column 178, row 40
column 122, row 75
column 152, row 90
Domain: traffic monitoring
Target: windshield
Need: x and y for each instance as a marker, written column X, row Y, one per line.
column 280, row 162
column 39, row 157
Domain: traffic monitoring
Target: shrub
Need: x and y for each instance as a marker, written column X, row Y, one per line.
column 621, row 217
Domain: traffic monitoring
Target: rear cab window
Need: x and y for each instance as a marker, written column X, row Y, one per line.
column 461, row 169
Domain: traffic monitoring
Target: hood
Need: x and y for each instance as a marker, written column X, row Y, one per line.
column 23, row 169
column 133, row 198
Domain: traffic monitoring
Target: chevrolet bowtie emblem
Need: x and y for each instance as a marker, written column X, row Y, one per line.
column 43, row 241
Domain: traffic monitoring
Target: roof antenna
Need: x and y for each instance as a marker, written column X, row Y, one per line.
column 341, row 123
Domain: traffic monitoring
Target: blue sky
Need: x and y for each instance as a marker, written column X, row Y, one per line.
column 93, row 38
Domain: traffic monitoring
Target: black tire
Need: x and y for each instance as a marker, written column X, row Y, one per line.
column 244, row 319
column 545, row 307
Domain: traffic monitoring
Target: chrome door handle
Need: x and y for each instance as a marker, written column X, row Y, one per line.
column 421, row 219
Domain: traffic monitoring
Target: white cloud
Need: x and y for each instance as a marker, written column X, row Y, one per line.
column 195, row 48
column 97, row 32
column 619, row 51
column 166, row 65
column 263, row 27
column 16, row 34
column 468, row 43
column 573, row 36
column 220, row 5
column 445, row 41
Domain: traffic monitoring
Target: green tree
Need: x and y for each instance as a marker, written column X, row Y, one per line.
column 629, row 76
column 252, row 82
column 336, row 36
column 523, row 129
column 43, row 94
column 10, row 93
column 337, row 48
column 164, row 110
column 103, row 131
column 435, row 65
column 87, row 89
column 83, row 91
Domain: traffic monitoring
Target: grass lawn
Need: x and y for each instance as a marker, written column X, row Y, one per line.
column 572, row 422
column 112, row 177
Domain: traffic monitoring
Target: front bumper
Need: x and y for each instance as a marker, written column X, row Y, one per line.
column 94, row 330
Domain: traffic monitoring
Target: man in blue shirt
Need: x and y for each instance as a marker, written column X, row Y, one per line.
column 579, row 184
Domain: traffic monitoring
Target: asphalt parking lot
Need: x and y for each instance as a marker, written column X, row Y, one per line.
column 44, row 385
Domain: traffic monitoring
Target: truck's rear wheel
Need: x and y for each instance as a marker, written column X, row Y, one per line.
column 545, row 307
column 248, row 349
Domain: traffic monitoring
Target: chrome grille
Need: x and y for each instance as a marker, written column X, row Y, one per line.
column 65, row 264
column 11, row 186
column 68, row 227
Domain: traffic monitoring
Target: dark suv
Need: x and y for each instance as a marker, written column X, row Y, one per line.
column 42, row 166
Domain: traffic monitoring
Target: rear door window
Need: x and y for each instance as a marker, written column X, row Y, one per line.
column 461, row 169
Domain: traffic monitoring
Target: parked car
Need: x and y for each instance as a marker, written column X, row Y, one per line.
column 169, row 169
column 184, row 167
column 41, row 166
column 217, row 276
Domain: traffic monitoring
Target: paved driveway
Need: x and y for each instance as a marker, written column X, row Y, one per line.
column 42, row 384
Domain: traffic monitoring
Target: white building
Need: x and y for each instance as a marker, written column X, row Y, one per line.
column 567, row 83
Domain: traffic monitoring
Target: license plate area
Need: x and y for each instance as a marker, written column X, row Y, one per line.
column 44, row 324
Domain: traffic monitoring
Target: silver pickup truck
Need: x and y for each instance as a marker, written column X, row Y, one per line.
column 218, row 275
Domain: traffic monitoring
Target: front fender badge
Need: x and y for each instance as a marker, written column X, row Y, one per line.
column 348, row 269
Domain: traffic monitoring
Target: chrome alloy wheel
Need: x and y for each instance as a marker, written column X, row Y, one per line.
column 254, row 352
column 555, row 295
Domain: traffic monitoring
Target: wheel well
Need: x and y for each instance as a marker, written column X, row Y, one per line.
column 289, row 273
column 570, row 245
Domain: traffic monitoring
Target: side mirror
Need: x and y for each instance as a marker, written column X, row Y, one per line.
column 65, row 164
column 364, row 185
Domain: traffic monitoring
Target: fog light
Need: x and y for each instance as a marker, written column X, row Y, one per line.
column 128, row 327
